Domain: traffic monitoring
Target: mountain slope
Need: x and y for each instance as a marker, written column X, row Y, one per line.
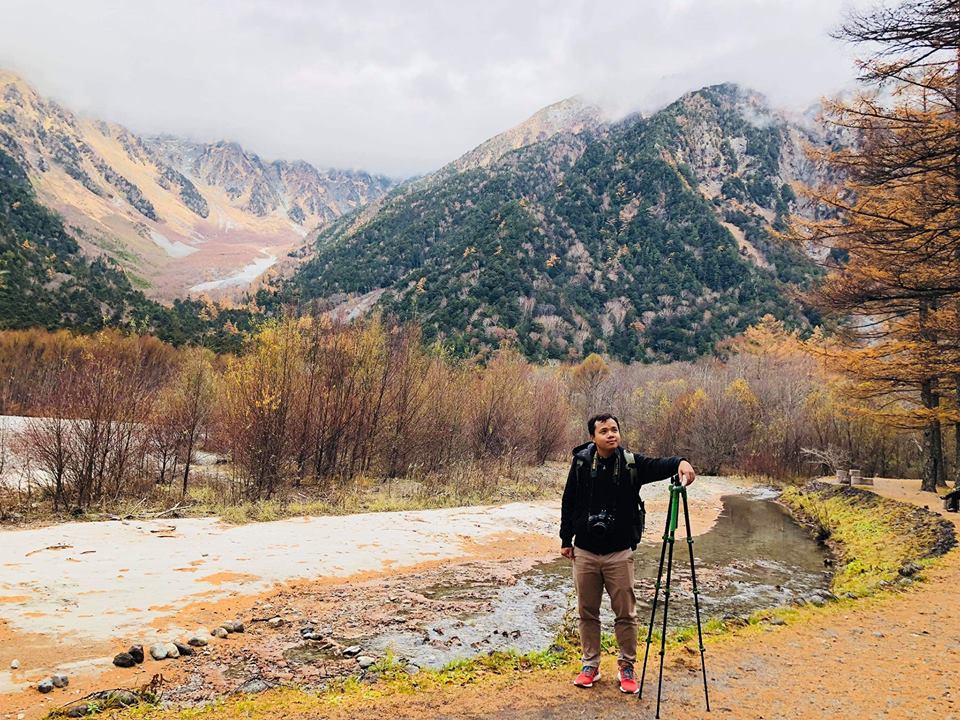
column 567, row 116
column 177, row 215
column 647, row 239
column 46, row 281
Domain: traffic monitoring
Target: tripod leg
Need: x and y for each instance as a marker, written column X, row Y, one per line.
column 656, row 595
column 666, row 591
column 696, row 597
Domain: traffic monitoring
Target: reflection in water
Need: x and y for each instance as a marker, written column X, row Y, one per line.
column 755, row 556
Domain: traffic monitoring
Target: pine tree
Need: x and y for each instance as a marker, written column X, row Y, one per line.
column 894, row 217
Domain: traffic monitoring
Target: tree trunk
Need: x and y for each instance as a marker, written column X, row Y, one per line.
column 940, row 472
column 929, row 482
column 956, row 436
column 186, row 464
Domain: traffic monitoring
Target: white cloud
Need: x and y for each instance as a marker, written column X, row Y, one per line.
column 403, row 87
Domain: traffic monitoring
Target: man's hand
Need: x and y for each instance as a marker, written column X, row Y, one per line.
column 567, row 552
column 686, row 472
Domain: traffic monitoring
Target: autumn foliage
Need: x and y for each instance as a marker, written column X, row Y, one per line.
column 311, row 405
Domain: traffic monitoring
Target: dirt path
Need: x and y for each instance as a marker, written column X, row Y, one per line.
column 891, row 657
column 73, row 595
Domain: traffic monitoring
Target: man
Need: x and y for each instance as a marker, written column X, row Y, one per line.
column 598, row 532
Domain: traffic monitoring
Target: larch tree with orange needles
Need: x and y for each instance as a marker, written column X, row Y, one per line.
column 893, row 222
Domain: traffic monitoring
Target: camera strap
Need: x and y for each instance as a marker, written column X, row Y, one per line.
column 594, row 472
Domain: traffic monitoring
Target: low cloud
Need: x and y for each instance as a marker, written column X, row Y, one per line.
column 402, row 88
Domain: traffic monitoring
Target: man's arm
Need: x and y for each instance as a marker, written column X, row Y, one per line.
column 653, row 469
column 568, row 508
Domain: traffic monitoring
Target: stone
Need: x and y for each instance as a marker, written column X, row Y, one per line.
column 219, row 632
column 910, row 569
column 172, row 651
column 113, row 698
column 255, row 685
column 15, row 665
column 275, row 622
column 136, row 652
column 777, row 621
column 819, row 598
column 233, row 626
column 45, row 685
column 197, row 641
column 238, row 626
column 60, row 680
column 351, row 651
column 183, row 649
column 82, row 710
column 411, row 669
column 158, row 651
column 365, row 661
column 124, row 660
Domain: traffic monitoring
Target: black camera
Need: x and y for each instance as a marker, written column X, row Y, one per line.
column 601, row 523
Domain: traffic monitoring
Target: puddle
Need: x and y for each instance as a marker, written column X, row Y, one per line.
column 754, row 557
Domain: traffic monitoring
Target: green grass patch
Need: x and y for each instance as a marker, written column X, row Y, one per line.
column 877, row 539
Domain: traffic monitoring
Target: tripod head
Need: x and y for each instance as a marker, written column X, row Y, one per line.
column 675, row 479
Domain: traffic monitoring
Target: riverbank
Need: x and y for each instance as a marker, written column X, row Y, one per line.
column 77, row 593
column 886, row 655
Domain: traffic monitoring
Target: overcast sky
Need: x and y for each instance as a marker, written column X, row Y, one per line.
column 401, row 87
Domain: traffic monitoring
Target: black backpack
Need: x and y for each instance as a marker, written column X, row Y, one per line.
column 640, row 512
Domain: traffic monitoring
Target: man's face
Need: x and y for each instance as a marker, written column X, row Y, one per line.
column 606, row 435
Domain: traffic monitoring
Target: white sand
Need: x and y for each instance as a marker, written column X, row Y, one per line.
column 106, row 581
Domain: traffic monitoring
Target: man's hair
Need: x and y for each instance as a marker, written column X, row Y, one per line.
column 592, row 422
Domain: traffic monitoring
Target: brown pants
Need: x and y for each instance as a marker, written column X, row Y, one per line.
column 591, row 574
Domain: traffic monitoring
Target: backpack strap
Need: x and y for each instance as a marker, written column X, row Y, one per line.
column 631, row 462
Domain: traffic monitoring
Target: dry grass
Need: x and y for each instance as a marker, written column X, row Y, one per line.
column 214, row 493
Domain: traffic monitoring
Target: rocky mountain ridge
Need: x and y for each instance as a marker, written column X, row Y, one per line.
column 173, row 213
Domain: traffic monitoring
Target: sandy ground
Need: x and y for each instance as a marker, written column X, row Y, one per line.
column 73, row 595
column 890, row 657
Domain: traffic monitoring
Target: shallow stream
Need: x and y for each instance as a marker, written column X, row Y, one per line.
column 755, row 556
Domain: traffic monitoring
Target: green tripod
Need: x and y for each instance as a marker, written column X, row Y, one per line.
column 673, row 515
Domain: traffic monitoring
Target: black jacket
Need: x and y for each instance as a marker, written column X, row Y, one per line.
column 579, row 492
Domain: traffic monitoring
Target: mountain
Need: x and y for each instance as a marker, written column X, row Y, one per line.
column 46, row 281
column 650, row 238
column 176, row 215
column 567, row 116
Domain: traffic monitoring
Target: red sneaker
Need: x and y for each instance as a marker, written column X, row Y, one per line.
column 628, row 683
column 587, row 677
